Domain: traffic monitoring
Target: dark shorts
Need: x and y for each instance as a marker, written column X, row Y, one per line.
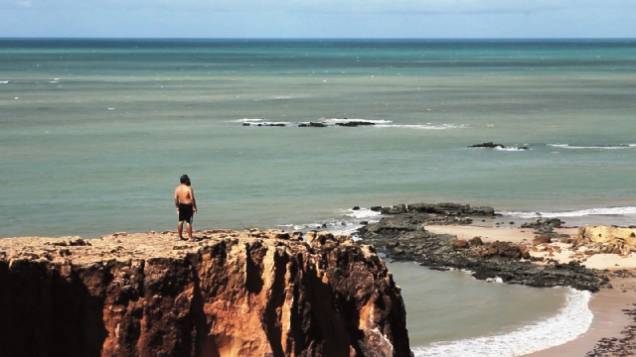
column 185, row 213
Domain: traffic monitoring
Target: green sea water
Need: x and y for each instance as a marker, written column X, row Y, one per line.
column 94, row 134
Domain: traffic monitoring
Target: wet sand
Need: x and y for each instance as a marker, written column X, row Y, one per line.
column 609, row 320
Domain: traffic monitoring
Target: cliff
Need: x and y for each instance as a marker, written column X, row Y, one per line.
column 232, row 293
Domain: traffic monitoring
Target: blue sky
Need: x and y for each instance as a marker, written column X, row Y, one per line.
column 319, row 18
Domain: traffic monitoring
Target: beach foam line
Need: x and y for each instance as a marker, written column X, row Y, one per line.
column 574, row 319
column 593, row 147
column 604, row 211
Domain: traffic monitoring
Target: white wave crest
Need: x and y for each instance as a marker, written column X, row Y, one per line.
column 593, row 147
column 571, row 321
column 511, row 148
column 427, row 126
column 248, row 120
column 363, row 213
column 335, row 121
column 4, row 82
column 605, row 211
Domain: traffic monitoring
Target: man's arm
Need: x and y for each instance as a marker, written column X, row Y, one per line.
column 176, row 200
column 194, row 200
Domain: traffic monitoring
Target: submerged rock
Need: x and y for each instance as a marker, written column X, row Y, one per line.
column 233, row 293
column 312, row 124
column 488, row 145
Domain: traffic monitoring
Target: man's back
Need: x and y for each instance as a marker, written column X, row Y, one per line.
column 183, row 194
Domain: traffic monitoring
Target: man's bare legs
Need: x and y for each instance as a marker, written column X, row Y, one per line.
column 189, row 229
column 180, row 229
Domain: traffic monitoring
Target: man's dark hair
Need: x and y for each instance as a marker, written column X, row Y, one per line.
column 185, row 180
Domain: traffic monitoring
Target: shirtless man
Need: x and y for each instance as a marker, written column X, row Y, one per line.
column 186, row 205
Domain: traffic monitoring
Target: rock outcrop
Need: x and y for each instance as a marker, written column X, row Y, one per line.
column 607, row 239
column 401, row 234
column 247, row 293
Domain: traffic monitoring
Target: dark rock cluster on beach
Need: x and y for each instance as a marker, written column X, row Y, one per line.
column 401, row 234
column 623, row 346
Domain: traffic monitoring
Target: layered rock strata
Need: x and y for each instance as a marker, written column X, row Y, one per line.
column 246, row 293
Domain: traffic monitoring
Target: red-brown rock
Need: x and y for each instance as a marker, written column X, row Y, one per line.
column 246, row 294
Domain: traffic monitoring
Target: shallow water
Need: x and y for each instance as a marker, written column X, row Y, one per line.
column 94, row 134
column 452, row 314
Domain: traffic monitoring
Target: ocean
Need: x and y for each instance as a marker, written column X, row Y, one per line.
column 94, row 135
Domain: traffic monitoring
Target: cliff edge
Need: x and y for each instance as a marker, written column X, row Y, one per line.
column 232, row 293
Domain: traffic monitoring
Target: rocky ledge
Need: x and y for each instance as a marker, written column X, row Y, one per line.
column 401, row 234
column 231, row 293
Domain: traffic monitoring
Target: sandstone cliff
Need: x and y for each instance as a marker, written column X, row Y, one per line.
column 247, row 293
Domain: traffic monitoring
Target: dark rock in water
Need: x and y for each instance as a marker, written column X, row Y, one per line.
column 364, row 222
column 488, row 145
column 442, row 209
column 376, row 208
column 401, row 235
column 354, row 123
column 272, row 124
column 356, row 208
column 397, row 209
column 491, row 145
column 544, row 225
column 312, row 124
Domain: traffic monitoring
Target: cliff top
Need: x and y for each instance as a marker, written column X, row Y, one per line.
column 126, row 246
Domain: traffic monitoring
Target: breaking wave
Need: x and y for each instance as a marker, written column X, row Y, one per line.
column 613, row 211
column 571, row 321
column 593, row 147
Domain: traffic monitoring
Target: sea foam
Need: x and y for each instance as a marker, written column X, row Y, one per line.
column 613, row 211
column 335, row 121
column 248, row 120
column 362, row 213
column 427, row 126
column 511, row 148
column 574, row 319
column 593, row 147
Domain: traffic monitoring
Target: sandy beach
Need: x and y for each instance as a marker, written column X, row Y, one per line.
column 609, row 320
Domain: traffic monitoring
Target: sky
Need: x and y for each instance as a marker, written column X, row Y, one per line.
column 319, row 18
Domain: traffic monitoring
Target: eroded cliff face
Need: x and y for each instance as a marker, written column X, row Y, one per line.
column 248, row 293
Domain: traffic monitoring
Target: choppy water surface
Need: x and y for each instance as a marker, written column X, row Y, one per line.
column 94, row 134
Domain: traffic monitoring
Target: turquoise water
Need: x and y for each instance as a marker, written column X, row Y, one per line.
column 94, row 134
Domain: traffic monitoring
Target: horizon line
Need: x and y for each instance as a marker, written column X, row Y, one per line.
column 314, row 38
